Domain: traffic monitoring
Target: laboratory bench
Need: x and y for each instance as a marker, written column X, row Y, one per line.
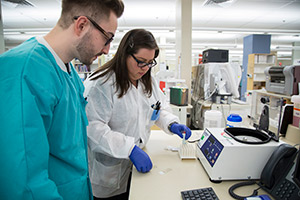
column 170, row 175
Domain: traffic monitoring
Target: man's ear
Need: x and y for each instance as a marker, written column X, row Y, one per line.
column 81, row 25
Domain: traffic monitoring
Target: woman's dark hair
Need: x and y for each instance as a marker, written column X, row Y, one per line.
column 131, row 43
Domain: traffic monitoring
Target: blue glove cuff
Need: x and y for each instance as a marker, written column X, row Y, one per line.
column 170, row 126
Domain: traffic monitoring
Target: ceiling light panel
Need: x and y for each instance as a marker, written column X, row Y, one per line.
column 152, row 13
column 31, row 17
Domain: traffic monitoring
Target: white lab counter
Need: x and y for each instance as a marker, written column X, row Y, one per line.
column 170, row 175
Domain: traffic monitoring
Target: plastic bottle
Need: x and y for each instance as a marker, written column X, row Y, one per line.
column 234, row 120
column 212, row 119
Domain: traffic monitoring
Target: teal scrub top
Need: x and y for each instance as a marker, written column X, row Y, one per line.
column 43, row 141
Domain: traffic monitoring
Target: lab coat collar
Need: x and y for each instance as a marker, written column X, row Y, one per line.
column 59, row 62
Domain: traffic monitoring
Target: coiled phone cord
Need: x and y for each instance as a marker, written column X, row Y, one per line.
column 235, row 186
column 255, row 192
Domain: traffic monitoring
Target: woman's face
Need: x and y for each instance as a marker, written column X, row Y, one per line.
column 134, row 71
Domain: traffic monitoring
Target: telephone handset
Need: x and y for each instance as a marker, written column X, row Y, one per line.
column 276, row 176
column 279, row 162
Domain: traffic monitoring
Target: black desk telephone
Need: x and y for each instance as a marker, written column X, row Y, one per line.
column 280, row 177
column 277, row 175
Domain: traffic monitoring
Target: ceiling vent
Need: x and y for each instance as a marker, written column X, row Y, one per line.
column 221, row 3
column 20, row 2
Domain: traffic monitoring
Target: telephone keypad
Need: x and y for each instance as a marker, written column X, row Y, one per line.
column 285, row 190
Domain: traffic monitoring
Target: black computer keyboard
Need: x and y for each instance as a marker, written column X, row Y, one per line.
column 199, row 194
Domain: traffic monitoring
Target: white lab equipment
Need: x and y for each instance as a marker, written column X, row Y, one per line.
column 224, row 158
column 222, row 79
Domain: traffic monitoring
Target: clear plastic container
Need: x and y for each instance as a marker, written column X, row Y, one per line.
column 234, row 120
column 213, row 119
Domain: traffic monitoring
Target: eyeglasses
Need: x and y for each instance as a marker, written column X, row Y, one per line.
column 106, row 34
column 142, row 64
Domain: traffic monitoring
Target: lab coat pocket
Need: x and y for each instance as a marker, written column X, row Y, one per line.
column 107, row 176
column 150, row 122
column 155, row 115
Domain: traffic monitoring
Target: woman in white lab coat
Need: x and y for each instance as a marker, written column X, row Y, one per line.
column 124, row 101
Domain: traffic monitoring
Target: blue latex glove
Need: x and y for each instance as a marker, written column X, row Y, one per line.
column 140, row 159
column 179, row 128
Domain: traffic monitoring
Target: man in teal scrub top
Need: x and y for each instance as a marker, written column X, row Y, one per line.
column 43, row 140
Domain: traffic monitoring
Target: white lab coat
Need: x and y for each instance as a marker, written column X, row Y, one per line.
column 115, row 126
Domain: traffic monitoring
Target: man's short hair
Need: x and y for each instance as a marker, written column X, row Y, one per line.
column 96, row 9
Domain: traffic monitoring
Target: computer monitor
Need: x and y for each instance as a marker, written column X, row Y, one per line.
column 296, row 177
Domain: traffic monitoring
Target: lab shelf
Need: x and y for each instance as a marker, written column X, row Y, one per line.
column 256, row 66
column 83, row 70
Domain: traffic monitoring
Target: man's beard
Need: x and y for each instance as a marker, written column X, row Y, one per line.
column 85, row 50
